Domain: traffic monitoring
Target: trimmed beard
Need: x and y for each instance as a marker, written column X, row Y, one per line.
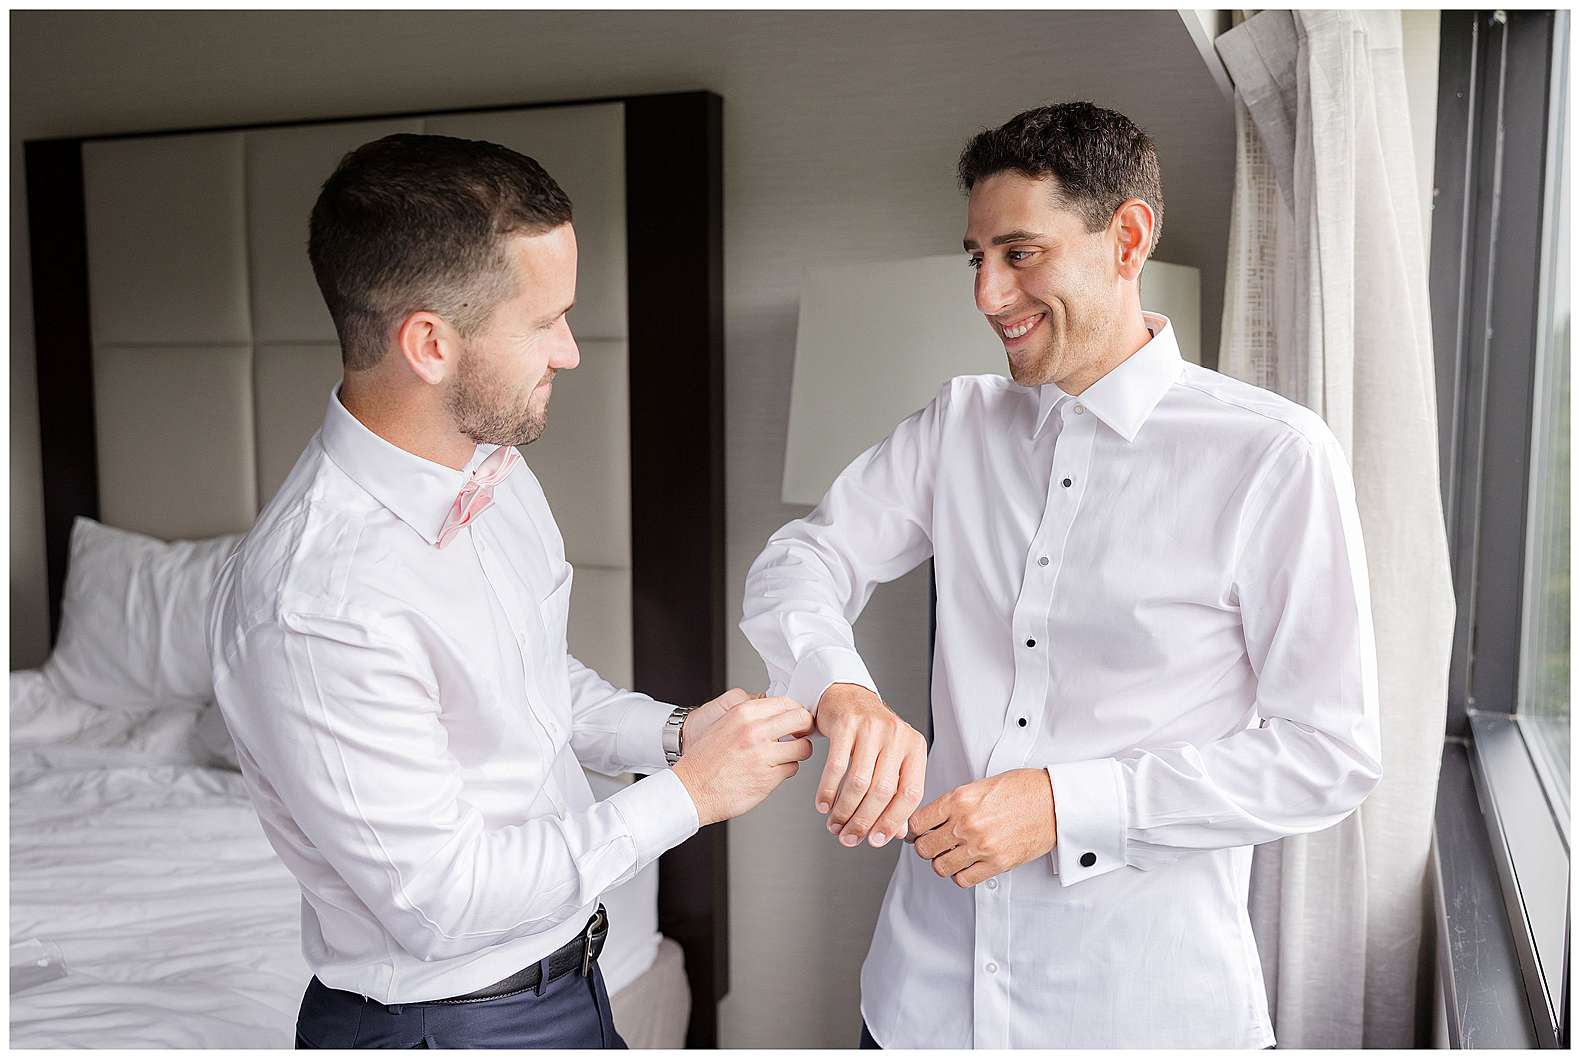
column 480, row 406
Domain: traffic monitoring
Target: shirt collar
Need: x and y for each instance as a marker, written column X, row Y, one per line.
column 419, row 492
column 1126, row 396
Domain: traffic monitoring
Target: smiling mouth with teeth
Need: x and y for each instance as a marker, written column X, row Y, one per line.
column 1020, row 329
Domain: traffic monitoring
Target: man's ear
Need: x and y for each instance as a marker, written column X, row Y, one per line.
column 1132, row 225
column 429, row 345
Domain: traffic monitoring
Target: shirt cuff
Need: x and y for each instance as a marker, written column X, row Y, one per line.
column 823, row 667
column 639, row 744
column 1090, row 818
column 659, row 813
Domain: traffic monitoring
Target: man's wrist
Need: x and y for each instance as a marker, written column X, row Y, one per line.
column 696, row 791
column 843, row 693
column 821, row 669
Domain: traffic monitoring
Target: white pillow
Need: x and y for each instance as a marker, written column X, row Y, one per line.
column 132, row 631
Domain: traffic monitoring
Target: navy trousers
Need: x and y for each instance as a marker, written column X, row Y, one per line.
column 569, row 1012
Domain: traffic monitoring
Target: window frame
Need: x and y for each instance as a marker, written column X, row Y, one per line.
column 1498, row 72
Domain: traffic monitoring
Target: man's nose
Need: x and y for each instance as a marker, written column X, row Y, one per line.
column 995, row 289
column 566, row 353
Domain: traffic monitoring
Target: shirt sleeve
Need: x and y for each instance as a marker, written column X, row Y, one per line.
column 1305, row 607
column 342, row 722
column 816, row 574
column 614, row 730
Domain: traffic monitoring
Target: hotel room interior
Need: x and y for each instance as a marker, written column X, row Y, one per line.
column 770, row 277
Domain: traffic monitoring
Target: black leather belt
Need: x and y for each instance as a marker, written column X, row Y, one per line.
column 579, row 954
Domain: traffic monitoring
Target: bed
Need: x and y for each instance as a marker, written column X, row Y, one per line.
column 188, row 322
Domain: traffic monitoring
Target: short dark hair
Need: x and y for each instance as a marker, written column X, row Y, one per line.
column 1099, row 158
column 412, row 222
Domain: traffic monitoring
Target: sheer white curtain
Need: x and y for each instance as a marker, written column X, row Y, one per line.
column 1326, row 303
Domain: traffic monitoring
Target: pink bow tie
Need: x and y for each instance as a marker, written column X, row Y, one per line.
column 477, row 495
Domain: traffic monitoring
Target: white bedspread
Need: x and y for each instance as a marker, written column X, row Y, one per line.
column 177, row 922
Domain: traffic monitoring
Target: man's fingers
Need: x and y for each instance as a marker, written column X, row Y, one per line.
column 804, row 721
column 793, row 721
column 930, row 815
column 858, row 778
column 733, row 698
column 907, row 796
column 953, row 861
column 790, row 750
column 933, row 843
column 979, row 872
column 760, row 707
column 885, row 782
column 834, row 767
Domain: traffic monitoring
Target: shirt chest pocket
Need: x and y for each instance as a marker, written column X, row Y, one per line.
column 554, row 611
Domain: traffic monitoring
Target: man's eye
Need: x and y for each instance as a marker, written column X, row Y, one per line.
column 1017, row 256
column 973, row 262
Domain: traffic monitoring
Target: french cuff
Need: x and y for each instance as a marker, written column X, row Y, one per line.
column 658, row 812
column 639, row 743
column 827, row 665
column 1089, row 813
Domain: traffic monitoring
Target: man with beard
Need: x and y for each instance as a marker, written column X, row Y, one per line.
column 389, row 648
column 1154, row 643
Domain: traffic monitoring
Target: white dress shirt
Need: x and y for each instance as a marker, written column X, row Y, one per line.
column 1157, row 592
column 412, row 729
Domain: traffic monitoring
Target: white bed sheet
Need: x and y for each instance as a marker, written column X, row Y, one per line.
column 178, row 925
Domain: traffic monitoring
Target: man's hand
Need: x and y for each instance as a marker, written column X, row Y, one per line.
column 708, row 714
column 876, row 766
column 984, row 828
column 738, row 760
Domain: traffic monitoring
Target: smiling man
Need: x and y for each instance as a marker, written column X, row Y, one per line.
column 1154, row 643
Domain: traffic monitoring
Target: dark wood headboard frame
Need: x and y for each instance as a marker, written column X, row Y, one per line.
column 674, row 178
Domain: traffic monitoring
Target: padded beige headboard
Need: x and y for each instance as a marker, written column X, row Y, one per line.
column 214, row 357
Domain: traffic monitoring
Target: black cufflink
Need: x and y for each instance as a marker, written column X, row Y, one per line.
column 1088, row 859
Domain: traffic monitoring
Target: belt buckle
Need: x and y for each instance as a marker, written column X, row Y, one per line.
column 588, row 934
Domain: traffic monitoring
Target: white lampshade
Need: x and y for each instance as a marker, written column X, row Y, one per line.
column 876, row 341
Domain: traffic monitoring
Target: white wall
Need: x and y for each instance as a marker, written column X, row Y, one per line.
column 841, row 133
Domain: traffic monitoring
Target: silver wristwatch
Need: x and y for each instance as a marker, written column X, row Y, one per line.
column 674, row 730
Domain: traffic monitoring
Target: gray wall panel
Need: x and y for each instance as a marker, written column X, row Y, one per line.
column 152, row 402
column 166, row 258
column 583, row 459
column 291, row 387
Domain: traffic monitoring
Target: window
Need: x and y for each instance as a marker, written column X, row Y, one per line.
column 1500, row 313
column 1544, row 652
